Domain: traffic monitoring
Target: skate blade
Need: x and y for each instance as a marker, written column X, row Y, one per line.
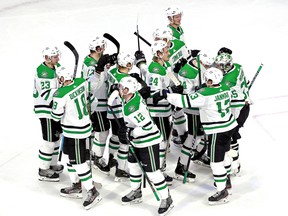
column 121, row 179
column 201, row 164
column 73, row 196
column 97, row 200
column 180, row 178
column 48, row 179
column 168, row 210
column 222, row 201
column 97, row 168
column 136, row 201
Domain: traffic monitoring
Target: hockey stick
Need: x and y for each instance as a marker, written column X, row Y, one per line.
column 113, row 40
column 76, row 55
column 199, row 71
column 143, row 39
column 133, row 152
column 255, row 76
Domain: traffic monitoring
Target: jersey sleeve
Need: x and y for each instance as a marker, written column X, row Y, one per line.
column 58, row 107
column 186, row 101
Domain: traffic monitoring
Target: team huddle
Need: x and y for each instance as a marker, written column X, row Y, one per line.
column 200, row 99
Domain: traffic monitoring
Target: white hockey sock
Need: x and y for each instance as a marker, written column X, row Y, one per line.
column 135, row 175
column 159, row 182
column 113, row 144
column 56, row 152
column 219, row 175
column 71, row 171
column 122, row 156
column 162, row 151
column 227, row 162
column 84, row 173
column 45, row 154
column 185, row 150
column 180, row 122
column 99, row 143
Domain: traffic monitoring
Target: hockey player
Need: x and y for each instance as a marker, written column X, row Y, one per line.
column 235, row 78
column 157, row 79
column 45, row 84
column 160, row 109
column 191, row 79
column 174, row 15
column 97, row 80
column 218, row 123
column 70, row 108
column 125, row 62
column 178, row 55
column 141, row 132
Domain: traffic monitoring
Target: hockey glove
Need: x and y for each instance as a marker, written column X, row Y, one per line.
column 124, row 135
column 224, row 50
column 179, row 65
column 114, row 87
column 193, row 53
column 177, row 89
column 105, row 59
column 145, row 92
column 139, row 79
column 139, row 58
column 113, row 58
column 162, row 94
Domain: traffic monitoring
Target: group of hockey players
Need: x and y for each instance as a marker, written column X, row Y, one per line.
column 198, row 98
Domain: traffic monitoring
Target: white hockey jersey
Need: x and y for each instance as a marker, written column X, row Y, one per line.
column 70, row 106
column 214, row 106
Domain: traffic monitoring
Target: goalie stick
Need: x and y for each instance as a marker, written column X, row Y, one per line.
column 113, row 40
column 76, row 55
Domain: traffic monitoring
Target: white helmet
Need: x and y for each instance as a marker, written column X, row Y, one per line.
column 98, row 42
column 163, row 33
column 130, row 83
column 213, row 74
column 224, row 61
column 172, row 11
column 206, row 57
column 51, row 51
column 65, row 73
column 124, row 58
column 158, row 46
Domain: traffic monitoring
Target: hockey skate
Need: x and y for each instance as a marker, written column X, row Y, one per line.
column 204, row 160
column 180, row 172
column 48, row 175
column 93, row 197
column 220, row 197
column 58, row 168
column 112, row 161
column 228, row 185
column 100, row 164
column 134, row 197
column 165, row 206
column 121, row 175
column 74, row 191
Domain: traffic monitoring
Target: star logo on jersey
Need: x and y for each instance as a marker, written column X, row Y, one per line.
column 56, row 94
column 183, row 73
column 156, row 70
column 132, row 108
column 44, row 74
column 228, row 84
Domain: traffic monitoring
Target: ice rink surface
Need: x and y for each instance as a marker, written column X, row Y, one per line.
column 256, row 31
